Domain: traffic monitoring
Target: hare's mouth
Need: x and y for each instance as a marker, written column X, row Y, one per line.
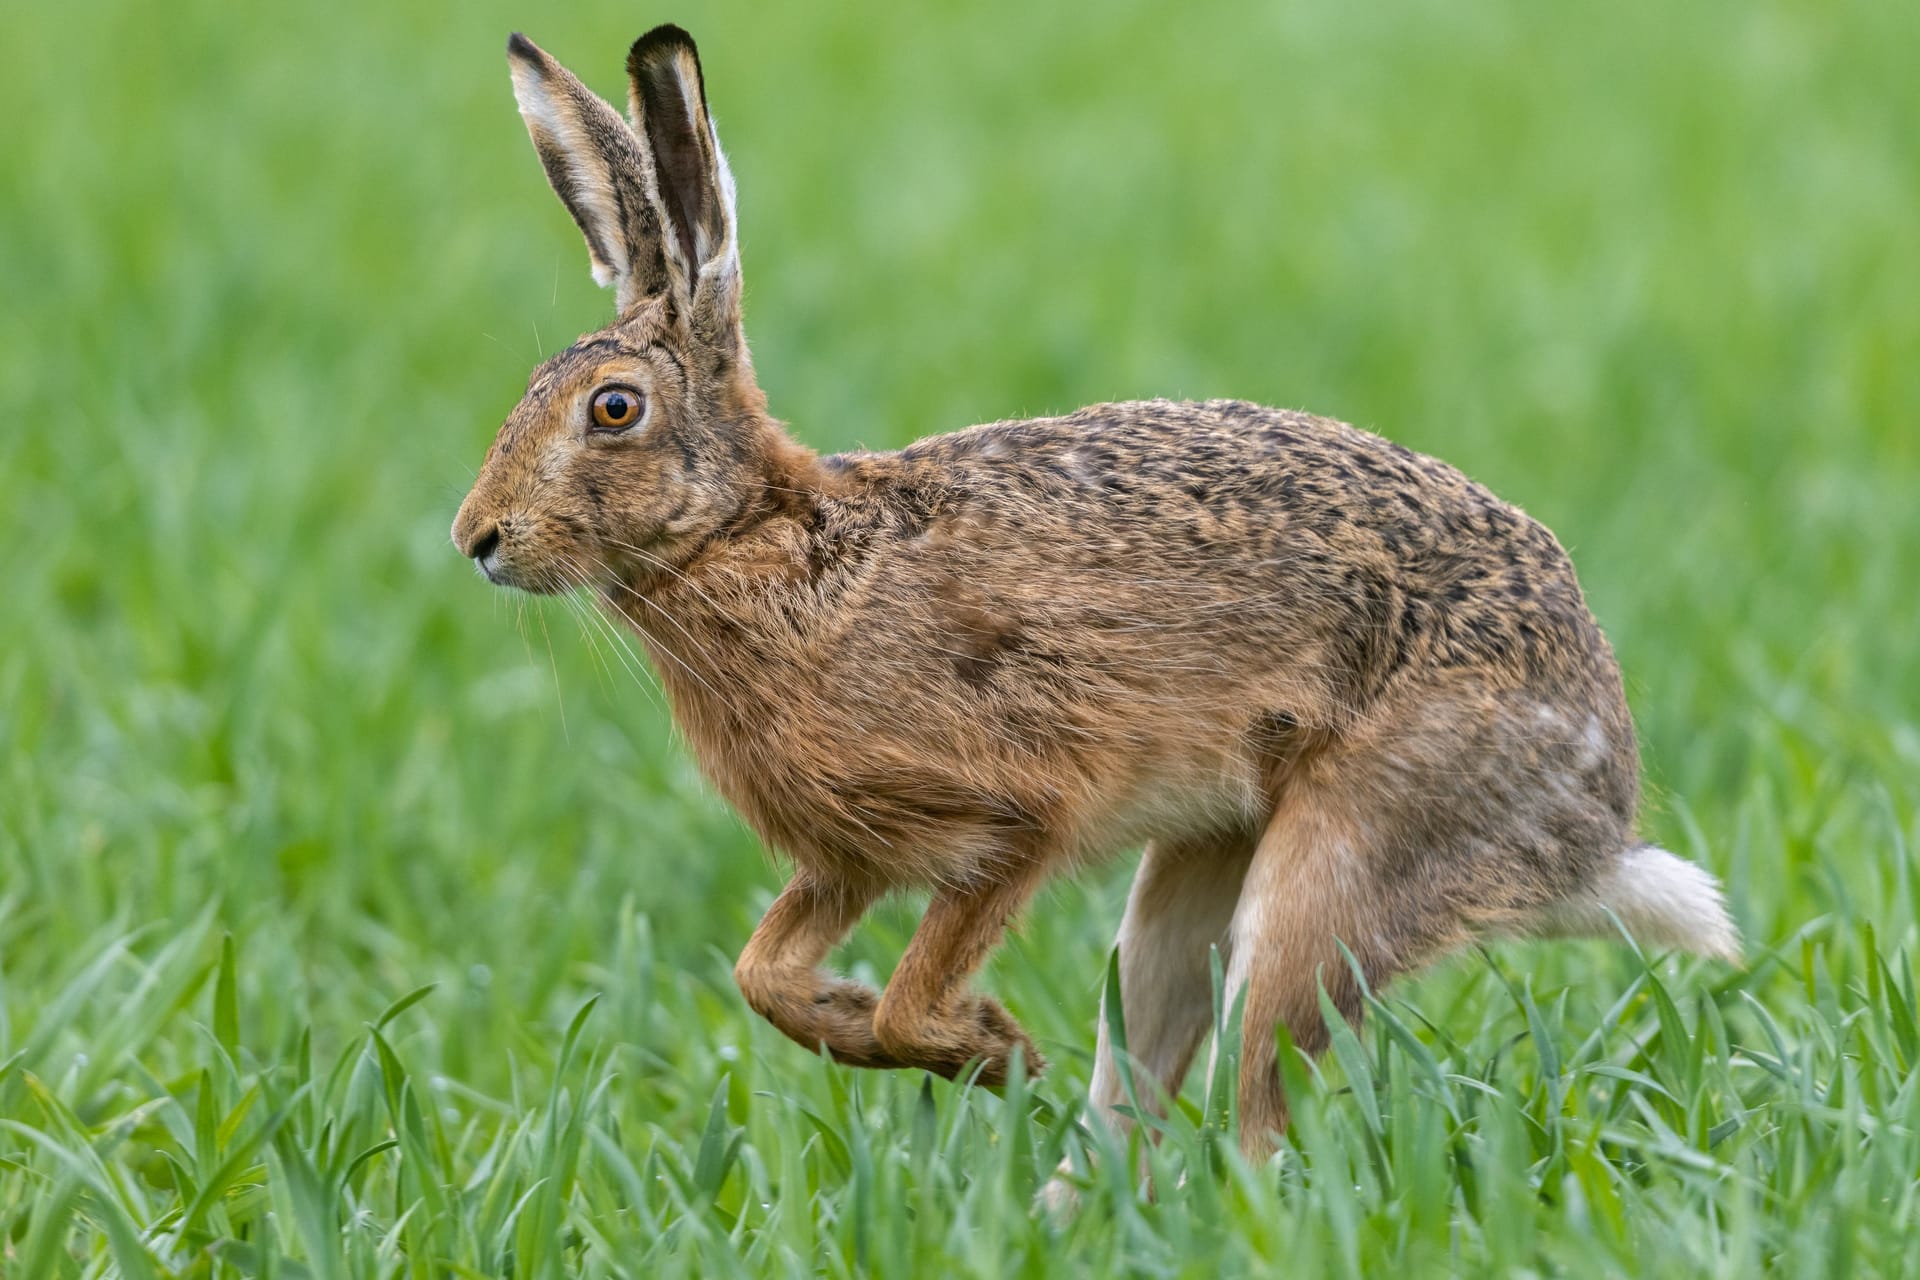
column 486, row 558
column 515, row 576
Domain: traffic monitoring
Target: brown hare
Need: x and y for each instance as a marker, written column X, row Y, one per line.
column 1336, row 689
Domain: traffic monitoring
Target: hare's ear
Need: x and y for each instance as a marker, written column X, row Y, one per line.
column 598, row 169
column 692, row 181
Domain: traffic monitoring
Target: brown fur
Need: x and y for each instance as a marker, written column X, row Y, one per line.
column 1343, row 690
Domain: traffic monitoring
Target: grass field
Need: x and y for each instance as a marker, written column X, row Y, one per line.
column 359, row 920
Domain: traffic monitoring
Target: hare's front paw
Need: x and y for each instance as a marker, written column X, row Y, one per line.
column 950, row 1041
column 818, row 1012
column 843, row 1017
column 999, row 1030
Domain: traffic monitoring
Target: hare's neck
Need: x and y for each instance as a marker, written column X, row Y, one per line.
column 714, row 625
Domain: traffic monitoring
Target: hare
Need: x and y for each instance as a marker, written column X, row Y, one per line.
column 1339, row 692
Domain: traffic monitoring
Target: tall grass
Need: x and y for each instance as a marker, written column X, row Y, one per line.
column 357, row 920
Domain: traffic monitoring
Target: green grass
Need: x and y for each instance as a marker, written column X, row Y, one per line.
column 358, row 920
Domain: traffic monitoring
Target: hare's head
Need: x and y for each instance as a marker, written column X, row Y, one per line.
column 635, row 444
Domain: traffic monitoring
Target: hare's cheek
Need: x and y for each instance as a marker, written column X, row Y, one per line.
column 554, row 465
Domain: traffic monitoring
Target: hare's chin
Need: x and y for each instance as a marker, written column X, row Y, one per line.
column 501, row 575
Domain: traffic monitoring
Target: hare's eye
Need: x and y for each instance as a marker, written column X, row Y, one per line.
column 615, row 408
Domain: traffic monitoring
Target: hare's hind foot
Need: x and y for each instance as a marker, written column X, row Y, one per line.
column 1178, row 912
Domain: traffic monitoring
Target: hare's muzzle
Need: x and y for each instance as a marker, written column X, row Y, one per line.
column 485, row 549
column 477, row 536
column 484, row 543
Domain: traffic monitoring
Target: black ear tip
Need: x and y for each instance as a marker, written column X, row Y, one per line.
column 662, row 39
column 518, row 46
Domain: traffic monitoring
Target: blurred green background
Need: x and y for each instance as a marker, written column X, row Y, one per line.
column 273, row 274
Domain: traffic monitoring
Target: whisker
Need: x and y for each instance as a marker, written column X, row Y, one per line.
column 658, row 563
column 634, row 663
column 559, row 697
column 735, row 704
column 591, row 638
column 662, row 610
column 590, row 615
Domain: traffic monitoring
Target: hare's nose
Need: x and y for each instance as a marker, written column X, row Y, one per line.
column 486, row 544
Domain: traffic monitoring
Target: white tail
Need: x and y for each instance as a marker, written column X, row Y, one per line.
column 1664, row 901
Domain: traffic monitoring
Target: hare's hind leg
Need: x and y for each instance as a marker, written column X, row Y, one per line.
column 1456, row 811
column 1178, row 910
column 1351, row 857
column 1308, row 889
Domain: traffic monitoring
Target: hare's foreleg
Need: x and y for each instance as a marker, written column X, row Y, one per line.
column 928, row 1017
column 1178, row 910
column 779, row 972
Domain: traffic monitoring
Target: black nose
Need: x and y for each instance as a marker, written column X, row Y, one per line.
column 486, row 544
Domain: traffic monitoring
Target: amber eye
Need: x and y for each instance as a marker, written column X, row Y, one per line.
column 615, row 408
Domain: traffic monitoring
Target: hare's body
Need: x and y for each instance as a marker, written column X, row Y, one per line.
column 1342, row 694
column 1054, row 639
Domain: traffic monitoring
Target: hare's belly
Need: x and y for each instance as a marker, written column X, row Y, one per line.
column 1210, row 793
column 890, row 809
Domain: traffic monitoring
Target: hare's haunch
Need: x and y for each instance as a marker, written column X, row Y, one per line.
column 1341, row 693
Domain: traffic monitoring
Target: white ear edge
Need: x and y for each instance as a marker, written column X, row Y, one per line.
column 718, row 262
column 592, row 184
column 710, row 256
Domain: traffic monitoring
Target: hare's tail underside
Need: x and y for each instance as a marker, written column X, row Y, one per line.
column 1663, row 900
